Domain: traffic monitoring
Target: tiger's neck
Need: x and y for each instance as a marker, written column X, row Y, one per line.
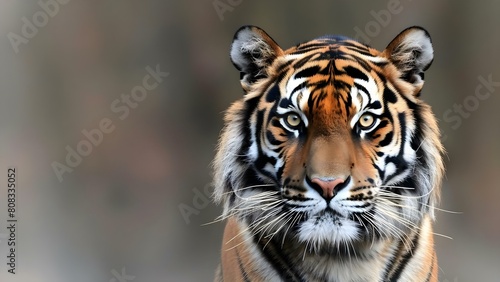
column 247, row 257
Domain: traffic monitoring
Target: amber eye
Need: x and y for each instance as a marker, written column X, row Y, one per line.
column 293, row 120
column 366, row 121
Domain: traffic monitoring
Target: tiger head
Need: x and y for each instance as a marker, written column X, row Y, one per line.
column 331, row 143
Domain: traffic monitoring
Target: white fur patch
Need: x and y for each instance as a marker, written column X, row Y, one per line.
column 327, row 229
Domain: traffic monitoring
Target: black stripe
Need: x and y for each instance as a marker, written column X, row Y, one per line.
column 285, row 103
column 432, row 268
column 416, row 141
column 376, row 105
column 311, row 45
column 246, row 113
column 299, row 87
column 390, row 262
column 250, row 178
column 274, row 94
column 304, row 51
column 363, row 89
column 399, row 160
column 421, row 155
column 308, row 72
column 302, row 61
column 273, row 140
column 387, row 139
column 389, row 96
column 277, row 259
column 355, row 73
column 364, row 64
column 363, row 205
column 244, row 274
column 228, row 188
column 406, row 258
column 279, row 173
column 339, row 85
column 262, row 159
column 281, row 70
column 360, row 51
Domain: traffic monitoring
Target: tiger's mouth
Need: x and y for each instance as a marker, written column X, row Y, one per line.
column 328, row 215
column 339, row 218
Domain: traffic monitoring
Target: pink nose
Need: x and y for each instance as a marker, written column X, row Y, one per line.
column 328, row 187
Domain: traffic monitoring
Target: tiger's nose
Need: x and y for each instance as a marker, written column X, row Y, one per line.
column 328, row 187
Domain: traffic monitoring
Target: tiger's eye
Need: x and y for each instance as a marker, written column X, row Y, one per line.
column 293, row 120
column 366, row 121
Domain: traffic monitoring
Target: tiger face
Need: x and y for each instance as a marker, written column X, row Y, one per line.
column 331, row 144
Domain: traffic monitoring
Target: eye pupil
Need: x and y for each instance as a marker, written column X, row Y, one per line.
column 293, row 120
column 366, row 121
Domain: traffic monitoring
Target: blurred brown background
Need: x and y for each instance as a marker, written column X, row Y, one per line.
column 118, row 212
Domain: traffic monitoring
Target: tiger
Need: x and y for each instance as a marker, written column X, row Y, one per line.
column 329, row 166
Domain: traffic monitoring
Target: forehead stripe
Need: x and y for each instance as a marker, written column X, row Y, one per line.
column 274, row 94
column 308, row 72
column 355, row 73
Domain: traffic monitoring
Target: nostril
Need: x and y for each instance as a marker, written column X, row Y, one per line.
column 328, row 187
column 314, row 185
column 342, row 184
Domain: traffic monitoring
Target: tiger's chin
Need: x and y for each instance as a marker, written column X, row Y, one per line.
column 328, row 229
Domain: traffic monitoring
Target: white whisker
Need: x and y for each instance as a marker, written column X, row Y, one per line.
column 396, row 187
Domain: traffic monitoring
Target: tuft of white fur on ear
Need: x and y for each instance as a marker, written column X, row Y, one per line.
column 252, row 51
column 412, row 53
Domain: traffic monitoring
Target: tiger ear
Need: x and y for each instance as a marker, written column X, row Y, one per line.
column 252, row 51
column 412, row 53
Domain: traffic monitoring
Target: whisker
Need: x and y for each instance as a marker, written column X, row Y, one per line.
column 406, row 196
column 420, row 145
column 249, row 187
column 402, row 220
column 396, row 187
column 397, row 196
column 398, row 233
column 294, row 220
column 250, row 228
column 442, row 210
column 442, row 235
